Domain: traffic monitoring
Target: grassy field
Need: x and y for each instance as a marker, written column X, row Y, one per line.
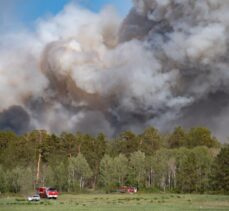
column 105, row 202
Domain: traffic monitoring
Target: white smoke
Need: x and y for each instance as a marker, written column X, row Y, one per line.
column 92, row 72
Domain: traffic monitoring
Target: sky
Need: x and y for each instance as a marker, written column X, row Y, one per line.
column 28, row 11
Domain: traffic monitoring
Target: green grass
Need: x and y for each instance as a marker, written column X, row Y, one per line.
column 119, row 202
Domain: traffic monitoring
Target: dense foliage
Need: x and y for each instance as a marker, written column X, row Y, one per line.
column 183, row 161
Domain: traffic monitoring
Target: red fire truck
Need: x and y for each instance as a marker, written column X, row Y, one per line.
column 45, row 192
column 127, row 189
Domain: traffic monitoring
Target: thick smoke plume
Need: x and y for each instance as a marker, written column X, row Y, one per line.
column 165, row 64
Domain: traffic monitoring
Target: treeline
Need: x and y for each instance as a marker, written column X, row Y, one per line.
column 183, row 161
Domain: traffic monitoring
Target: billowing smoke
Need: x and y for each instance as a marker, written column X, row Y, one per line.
column 20, row 125
column 165, row 64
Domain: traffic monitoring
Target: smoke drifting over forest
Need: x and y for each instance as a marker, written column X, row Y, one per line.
column 165, row 64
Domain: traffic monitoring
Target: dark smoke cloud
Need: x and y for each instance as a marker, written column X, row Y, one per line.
column 165, row 64
column 15, row 119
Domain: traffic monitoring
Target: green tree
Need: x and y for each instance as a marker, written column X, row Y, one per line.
column 150, row 141
column 201, row 137
column 19, row 179
column 220, row 171
column 57, row 176
column 3, row 181
column 93, row 148
column 137, row 168
column 120, row 168
column 51, row 146
column 13, row 178
column 162, row 169
column 186, row 171
column 71, row 144
column 177, row 138
column 107, row 172
column 203, row 168
column 126, row 143
column 6, row 138
column 151, row 171
column 79, row 171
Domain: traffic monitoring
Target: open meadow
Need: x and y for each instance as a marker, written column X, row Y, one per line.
column 125, row 202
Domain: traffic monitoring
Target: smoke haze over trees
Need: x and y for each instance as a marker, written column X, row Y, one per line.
column 165, row 64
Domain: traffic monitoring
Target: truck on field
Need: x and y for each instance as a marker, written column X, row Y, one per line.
column 127, row 189
column 47, row 192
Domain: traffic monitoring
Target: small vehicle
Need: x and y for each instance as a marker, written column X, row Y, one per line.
column 127, row 189
column 34, row 198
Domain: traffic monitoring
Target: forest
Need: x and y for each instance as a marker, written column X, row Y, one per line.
column 183, row 161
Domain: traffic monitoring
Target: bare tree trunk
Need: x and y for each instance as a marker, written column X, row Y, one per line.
column 39, row 160
column 175, row 181
column 169, row 180
column 151, row 177
column 149, row 180
column 79, row 149
column 96, row 174
column 94, row 182
column 81, row 183
column 38, row 168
